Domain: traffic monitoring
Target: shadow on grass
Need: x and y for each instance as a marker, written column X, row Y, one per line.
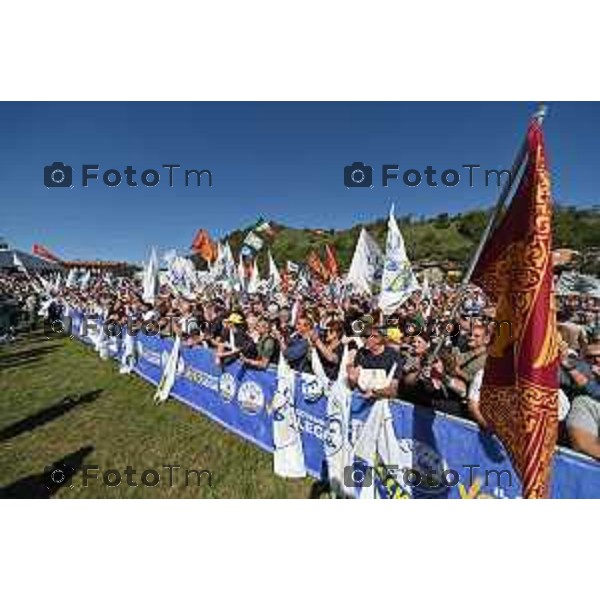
column 16, row 359
column 47, row 414
column 47, row 483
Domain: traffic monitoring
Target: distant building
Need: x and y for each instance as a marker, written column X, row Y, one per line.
column 101, row 266
column 14, row 260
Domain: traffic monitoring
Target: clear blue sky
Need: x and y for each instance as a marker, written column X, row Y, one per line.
column 280, row 160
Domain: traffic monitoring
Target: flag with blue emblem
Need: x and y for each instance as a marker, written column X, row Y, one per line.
column 398, row 281
column 288, row 457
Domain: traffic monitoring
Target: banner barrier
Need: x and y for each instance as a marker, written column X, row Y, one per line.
column 444, row 456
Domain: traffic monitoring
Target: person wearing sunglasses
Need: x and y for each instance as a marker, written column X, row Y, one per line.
column 583, row 421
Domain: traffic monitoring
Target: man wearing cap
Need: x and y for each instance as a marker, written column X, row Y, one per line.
column 583, row 422
column 236, row 341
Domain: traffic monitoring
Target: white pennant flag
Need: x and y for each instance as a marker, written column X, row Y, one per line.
column 151, row 279
column 229, row 266
column 18, row 263
column 46, row 284
column 71, row 278
column 85, row 280
column 398, row 281
column 377, row 441
column 241, row 275
column 129, row 356
column 168, row 377
column 274, row 277
column 253, row 284
column 366, row 266
column 288, row 458
column 338, row 451
column 426, row 287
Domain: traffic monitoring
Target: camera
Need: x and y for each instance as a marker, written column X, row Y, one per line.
column 358, row 175
column 358, row 476
column 58, row 175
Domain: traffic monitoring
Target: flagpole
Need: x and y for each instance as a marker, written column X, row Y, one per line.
column 492, row 221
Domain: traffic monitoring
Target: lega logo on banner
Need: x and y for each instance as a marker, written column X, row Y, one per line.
column 227, row 387
column 312, row 389
column 251, row 397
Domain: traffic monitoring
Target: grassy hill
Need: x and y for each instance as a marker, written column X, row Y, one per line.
column 440, row 238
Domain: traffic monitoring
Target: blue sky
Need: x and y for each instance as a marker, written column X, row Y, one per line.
column 280, row 160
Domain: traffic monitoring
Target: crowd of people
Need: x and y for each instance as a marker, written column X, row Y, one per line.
column 422, row 353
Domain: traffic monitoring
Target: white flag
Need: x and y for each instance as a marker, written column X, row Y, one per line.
column 253, row 241
column 102, row 341
column 253, row 284
column 274, row 277
column 366, row 265
column 398, row 281
column 377, row 441
column 151, row 279
column 292, row 267
column 168, row 377
column 71, row 278
column 241, row 275
column 129, row 356
column 85, row 280
column 288, row 458
column 18, row 263
column 426, row 287
column 338, row 451
column 46, row 284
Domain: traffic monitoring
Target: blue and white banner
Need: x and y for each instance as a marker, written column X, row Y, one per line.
column 438, row 456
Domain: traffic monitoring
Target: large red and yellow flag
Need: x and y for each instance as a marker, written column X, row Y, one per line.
column 519, row 395
column 204, row 246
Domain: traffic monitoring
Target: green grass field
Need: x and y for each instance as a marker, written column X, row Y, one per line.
column 61, row 404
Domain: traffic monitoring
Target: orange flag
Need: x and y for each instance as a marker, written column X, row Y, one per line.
column 317, row 266
column 331, row 262
column 519, row 395
column 204, row 246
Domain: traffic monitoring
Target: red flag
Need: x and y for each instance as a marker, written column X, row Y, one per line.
column 204, row 246
column 519, row 395
column 331, row 262
column 44, row 253
column 317, row 266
